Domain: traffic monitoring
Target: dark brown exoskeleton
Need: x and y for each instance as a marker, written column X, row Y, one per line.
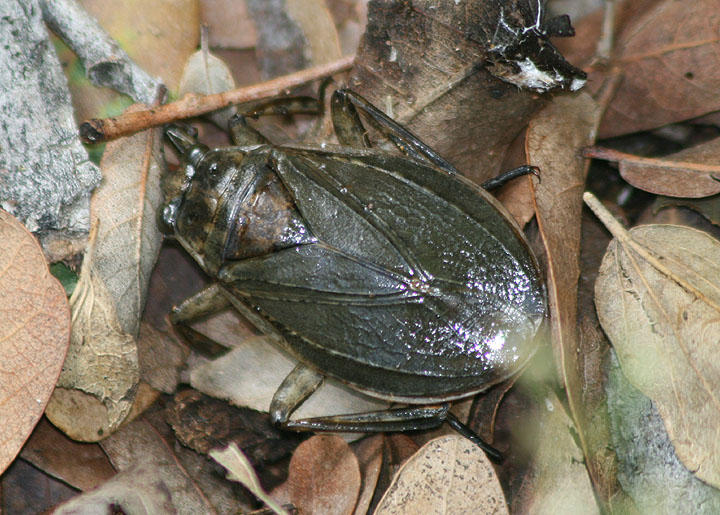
column 393, row 274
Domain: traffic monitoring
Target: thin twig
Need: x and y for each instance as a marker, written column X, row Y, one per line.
column 190, row 105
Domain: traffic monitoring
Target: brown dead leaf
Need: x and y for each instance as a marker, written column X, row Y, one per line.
column 34, row 335
column 447, row 475
column 554, row 139
column 658, row 300
column 666, row 52
column 101, row 372
column 206, row 73
column 369, row 452
column 160, row 358
column 81, row 465
column 324, row 476
column 688, row 173
column 140, row 444
column 293, row 34
column 229, row 24
column 202, row 423
column 420, row 63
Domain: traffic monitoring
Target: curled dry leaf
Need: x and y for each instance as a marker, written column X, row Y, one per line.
column 101, row 372
column 324, row 476
column 34, row 335
column 658, row 300
column 240, row 470
column 689, row 173
column 447, row 475
column 554, row 139
column 369, row 453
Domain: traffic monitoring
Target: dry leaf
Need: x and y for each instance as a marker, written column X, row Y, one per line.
column 140, row 445
column 101, row 372
column 688, row 173
column 293, row 34
column 158, row 35
column 658, row 300
column 447, row 475
column 34, row 335
column 81, row 465
column 558, row 481
column 648, row 468
column 554, row 139
column 250, row 374
column 666, row 52
column 420, row 63
column 206, row 73
column 126, row 205
column 240, row 470
column 369, row 452
column 160, row 358
column 138, row 490
column 324, row 476
column 228, row 22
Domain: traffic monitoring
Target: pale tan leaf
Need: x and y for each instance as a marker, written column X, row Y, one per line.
column 158, row 35
column 251, row 372
column 240, row 470
column 658, row 299
column 324, row 476
column 126, row 206
column 558, row 481
column 689, row 173
column 447, row 475
column 101, row 373
column 34, row 335
column 228, row 22
column 138, row 490
column 205, row 73
column 96, row 388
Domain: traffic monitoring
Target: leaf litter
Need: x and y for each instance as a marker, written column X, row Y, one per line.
column 435, row 106
column 664, row 326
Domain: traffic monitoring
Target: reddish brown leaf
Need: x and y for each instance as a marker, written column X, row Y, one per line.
column 324, row 476
column 688, row 173
column 369, row 452
column 667, row 53
column 34, row 335
column 82, row 465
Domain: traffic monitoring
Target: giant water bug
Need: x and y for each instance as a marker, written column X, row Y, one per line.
column 393, row 274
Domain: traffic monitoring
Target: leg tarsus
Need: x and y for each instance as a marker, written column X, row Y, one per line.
column 490, row 451
column 299, row 384
column 206, row 302
column 405, row 140
column 506, row 177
